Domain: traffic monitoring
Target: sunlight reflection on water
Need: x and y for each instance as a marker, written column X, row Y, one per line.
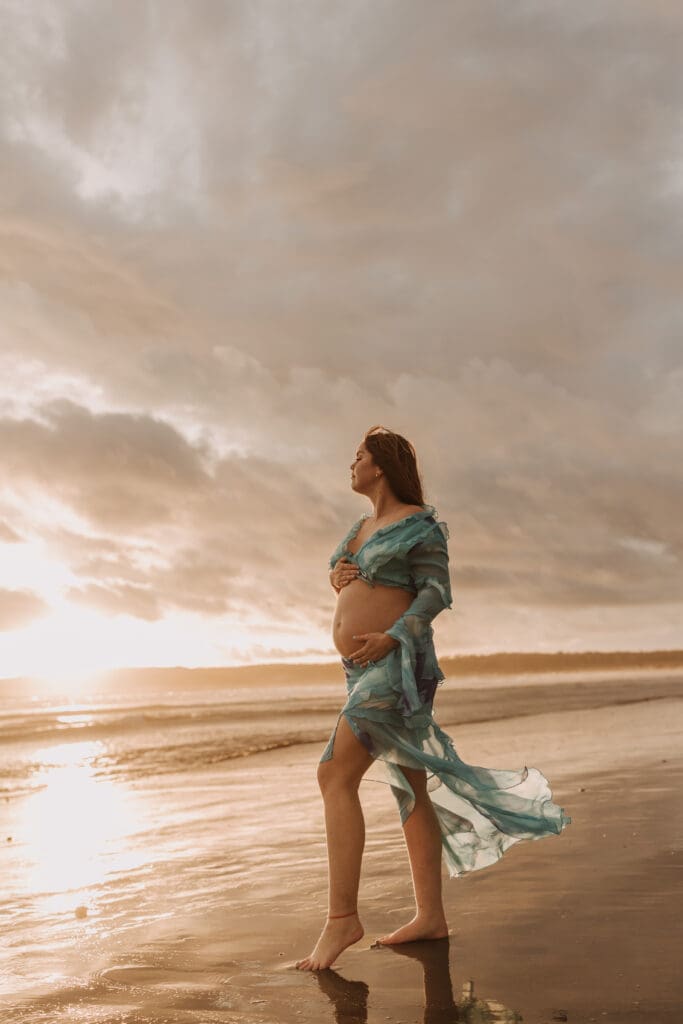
column 75, row 827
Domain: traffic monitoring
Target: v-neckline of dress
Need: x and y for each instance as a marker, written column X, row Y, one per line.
column 428, row 510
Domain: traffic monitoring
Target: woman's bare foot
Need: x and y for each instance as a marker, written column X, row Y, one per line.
column 336, row 936
column 417, row 930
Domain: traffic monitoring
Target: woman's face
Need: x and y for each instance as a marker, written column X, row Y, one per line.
column 364, row 471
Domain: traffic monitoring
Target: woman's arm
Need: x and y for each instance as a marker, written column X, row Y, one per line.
column 428, row 562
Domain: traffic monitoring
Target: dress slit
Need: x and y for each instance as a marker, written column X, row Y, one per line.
column 481, row 811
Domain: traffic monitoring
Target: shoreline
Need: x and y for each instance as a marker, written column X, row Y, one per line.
column 573, row 923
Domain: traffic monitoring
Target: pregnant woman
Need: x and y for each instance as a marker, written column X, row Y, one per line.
column 391, row 576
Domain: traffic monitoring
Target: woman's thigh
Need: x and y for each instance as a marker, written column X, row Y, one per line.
column 350, row 759
column 417, row 777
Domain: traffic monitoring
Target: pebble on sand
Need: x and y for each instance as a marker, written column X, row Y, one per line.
column 81, row 911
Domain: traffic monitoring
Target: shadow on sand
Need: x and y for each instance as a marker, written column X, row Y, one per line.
column 350, row 998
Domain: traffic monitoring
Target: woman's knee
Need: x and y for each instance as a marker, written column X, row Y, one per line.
column 334, row 776
column 324, row 775
column 347, row 762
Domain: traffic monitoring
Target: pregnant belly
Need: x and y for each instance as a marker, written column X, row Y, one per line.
column 364, row 609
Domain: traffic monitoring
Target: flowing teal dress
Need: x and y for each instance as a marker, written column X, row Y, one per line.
column 481, row 811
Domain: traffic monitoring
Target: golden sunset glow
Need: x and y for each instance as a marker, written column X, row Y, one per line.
column 234, row 236
column 192, row 344
column 74, row 825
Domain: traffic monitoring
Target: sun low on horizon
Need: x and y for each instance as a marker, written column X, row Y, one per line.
column 72, row 637
column 257, row 260
column 69, row 641
column 206, row 302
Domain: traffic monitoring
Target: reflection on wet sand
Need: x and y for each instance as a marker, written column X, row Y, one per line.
column 74, row 830
column 350, row 998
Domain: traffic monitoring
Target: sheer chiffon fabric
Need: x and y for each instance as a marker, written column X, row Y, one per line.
column 481, row 811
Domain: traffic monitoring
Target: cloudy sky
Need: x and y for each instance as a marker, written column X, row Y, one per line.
column 235, row 234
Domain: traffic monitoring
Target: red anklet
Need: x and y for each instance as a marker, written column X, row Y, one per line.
column 335, row 917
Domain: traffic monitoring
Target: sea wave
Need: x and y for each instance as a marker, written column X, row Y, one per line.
column 94, row 722
column 150, row 739
column 26, row 776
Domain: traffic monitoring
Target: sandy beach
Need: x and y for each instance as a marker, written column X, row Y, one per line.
column 341, row 335
column 580, row 927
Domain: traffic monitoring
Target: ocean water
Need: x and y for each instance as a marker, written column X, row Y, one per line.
column 125, row 736
column 115, row 809
column 124, row 815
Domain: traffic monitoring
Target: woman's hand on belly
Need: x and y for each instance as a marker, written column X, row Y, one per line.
column 362, row 610
column 374, row 647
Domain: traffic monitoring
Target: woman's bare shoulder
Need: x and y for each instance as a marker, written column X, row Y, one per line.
column 408, row 510
column 404, row 512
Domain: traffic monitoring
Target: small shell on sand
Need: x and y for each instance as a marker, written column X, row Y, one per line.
column 81, row 911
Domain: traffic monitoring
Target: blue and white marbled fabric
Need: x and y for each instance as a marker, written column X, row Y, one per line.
column 412, row 554
column 481, row 811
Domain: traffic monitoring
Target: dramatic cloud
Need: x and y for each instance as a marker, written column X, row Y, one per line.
column 234, row 236
column 18, row 608
column 115, row 469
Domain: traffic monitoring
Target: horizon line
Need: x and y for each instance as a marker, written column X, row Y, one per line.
column 628, row 654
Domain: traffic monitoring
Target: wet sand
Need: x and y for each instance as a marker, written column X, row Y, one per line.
column 579, row 927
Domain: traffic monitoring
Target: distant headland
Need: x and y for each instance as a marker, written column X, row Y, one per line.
column 284, row 672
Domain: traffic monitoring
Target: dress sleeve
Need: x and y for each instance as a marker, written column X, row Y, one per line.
column 428, row 562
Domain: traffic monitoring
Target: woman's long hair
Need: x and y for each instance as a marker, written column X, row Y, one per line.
column 396, row 458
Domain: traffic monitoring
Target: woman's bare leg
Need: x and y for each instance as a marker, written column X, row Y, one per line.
column 339, row 780
column 423, row 839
